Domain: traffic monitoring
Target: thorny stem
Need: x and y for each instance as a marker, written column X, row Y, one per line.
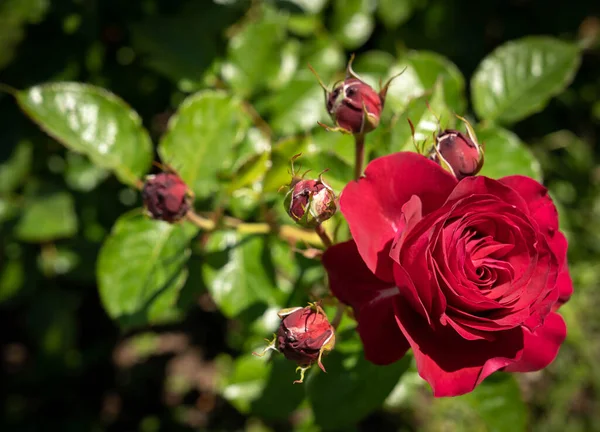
column 286, row 232
column 359, row 141
column 323, row 235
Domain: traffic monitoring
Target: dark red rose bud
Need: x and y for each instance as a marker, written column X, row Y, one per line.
column 304, row 335
column 310, row 202
column 166, row 197
column 462, row 156
column 354, row 106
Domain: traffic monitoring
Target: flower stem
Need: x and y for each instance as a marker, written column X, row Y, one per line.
column 200, row 222
column 323, row 235
column 286, row 232
column 359, row 141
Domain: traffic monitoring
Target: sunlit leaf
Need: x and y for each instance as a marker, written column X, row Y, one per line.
column 352, row 387
column 256, row 57
column 14, row 170
column 92, row 121
column 506, row 154
column 520, row 77
column 239, row 272
column 201, row 136
column 47, row 217
column 353, row 22
column 424, row 113
column 142, row 268
column 420, row 72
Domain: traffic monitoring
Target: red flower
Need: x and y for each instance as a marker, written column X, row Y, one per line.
column 466, row 273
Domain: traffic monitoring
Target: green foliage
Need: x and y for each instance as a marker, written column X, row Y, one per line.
column 92, row 121
column 519, row 78
column 141, row 269
column 240, row 273
column 208, row 126
column 223, row 89
column 352, row 387
column 47, row 216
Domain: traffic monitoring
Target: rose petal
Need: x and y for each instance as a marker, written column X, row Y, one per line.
column 541, row 346
column 481, row 185
column 373, row 205
column 372, row 300
column 536, row 196
column 565, row 288
column 382, row 339
column 450, row 364
column 349, row 278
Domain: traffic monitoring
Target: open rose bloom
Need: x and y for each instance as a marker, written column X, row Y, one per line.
column 469, row 274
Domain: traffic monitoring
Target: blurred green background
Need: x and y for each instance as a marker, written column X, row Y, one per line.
column 67, row 365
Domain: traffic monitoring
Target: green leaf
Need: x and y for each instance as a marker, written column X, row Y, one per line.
column 15, row 169
column 520, row 77
column 422, row 69
column 244, row 381
column 172, row 43
column 257, row 55
column 309, row 6
column 353, row 22
column 94, row 122
column 12, row 278
column 256, row 385
column 325, row 55
column 270, row 405
column 425, row 120
column 201, row 136
column 297, row 107
column 141, row 269
column 498, row 402
column 47, row 217
column 323, row 151
column 279, row 174
column 339, row 172
column 393, row 13
column 239, row 272
column 351, row 389
column 81, row 174
column 505, row 154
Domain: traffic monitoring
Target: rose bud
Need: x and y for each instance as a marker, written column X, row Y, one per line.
column 310, row 202
column 166, row 197
column 354, row 106
column 304, row 335
column 458, row 153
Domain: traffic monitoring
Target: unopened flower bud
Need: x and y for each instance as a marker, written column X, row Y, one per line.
column 166, row 197
column 304, row 335
column 354, row 105
column 459, row 153
column 310, row 202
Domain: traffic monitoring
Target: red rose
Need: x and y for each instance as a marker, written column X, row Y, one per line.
column 466, row 273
